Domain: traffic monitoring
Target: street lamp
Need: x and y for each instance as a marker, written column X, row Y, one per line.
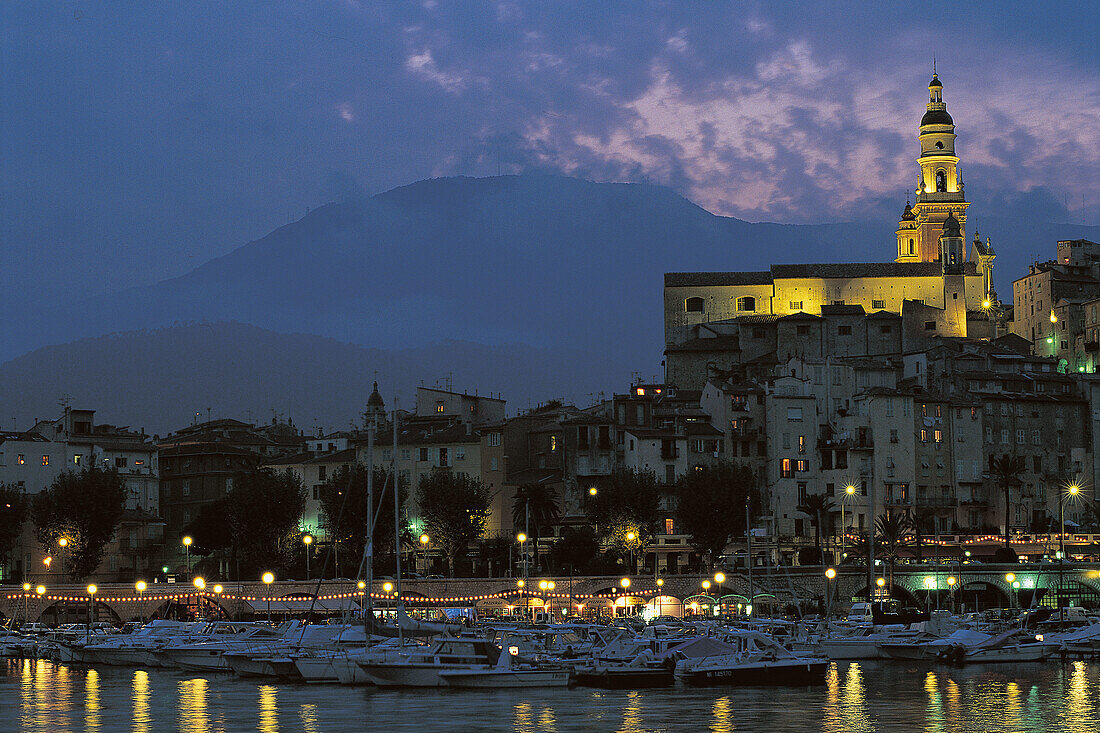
column 268, row 578
column 91, row 605
column 830, row 573
column 362, row 586
column 187, row 552
column 624, row 582
column 630, row 537
column 522, row 539
column 140, row 587
column 307, row 540
column 46, row 561
column 592, row 491
column 63, row 543
column 424, row 540
column 849, row 491
column 1072, row 489
column 26, row 601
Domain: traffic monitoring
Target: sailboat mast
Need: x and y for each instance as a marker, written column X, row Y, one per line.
column 397, row 517
column 369, row 610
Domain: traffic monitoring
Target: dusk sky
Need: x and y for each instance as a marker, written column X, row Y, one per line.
column 140, row 141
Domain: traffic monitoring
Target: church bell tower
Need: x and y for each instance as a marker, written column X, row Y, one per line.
column 940, row 190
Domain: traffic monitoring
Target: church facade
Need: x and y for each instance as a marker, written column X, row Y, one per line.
column 936, row 285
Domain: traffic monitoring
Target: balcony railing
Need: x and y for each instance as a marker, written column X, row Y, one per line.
column 937, row 501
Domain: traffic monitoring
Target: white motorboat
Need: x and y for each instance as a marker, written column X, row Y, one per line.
column 758, row 660
column 206, row 652
column 422, row 667
column 506, row 673
column 862, row 642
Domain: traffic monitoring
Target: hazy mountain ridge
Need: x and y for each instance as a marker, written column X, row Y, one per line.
column 158, row 379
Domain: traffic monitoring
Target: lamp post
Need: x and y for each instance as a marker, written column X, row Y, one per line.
column 268, row 578
column 951, row 582
column 63, row 543
column 1010, row 578
column 630, row 537
column 1072, row 489
column 660, row 596
column 424, row 540
column 624, row 583
column 849, row 491
column 46, row 561
column 522, row 539
column 91, row 605
column 830, row 573
column 140, row 587
column 218, row 592
column 26, row 602
column 187, row 553
column 362, row 586
column 307, row 540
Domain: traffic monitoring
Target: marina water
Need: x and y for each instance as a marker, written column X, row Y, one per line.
column 47, row 697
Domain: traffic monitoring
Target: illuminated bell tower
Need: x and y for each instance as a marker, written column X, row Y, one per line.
column 908, row 235
column 940, row 192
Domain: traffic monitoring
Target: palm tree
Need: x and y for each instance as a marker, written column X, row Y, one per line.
column 816, row 505
column 1005, row 471
column 920, row 518
column 892, row 535
column 535, row 505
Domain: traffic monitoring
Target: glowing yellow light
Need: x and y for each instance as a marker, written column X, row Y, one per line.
column 621, row 601
column 46, row 561
column 388, row 587
column 519, row 583
column 268, row 578
column 592, row 491
column 91, row 590
column 1073, row 489
column 630, row 536
column 719, row 578
column 660, row 582
column 1053, row 318
column 1010, row 577
column 218, row 589
column 521, row 537
column 706, row 585
column 424, row 539
column 140, row 586
column 26, row 586
column 550, row 585
column 63, row 542
column 361, row 585
column 850, row 489
column 542, row 585
column 880, row 582
column 951, row 580
column 830, row 573
column 40, row 589
column 625, row 582
column 199, row 583
column 307, row 539
column 187, row 541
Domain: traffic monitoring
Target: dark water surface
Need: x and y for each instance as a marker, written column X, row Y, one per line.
column 869, row 696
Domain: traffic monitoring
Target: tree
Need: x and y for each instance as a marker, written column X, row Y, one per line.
column 264, row 508
column 14, row 508
column 579, row 549
column 892, row 534
column 344, row 505
column 624, row 506
column 536, row 506
column 1005, row 471
column 710, row 506
column 85, row 508
column 919, row 520
column 210, row 530
column 816, row 505
column 494, row 552
column 455, row 509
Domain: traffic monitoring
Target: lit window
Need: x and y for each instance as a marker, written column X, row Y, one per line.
column 21, row 459
column 801, row 443
column 76, row 459
column 45, row 460
column 640, row 391
column 553, row 442
column 439, row 407
column 669, row 527
column 802, row 465
column 939, row 436
column 924, row 435
column 785, row 468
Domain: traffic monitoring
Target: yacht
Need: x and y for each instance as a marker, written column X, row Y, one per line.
column 422, row 667
column 757, row 660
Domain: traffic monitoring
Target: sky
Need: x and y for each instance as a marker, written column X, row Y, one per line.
column 137, row 142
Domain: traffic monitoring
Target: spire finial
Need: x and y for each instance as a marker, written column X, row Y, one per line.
column 933, row 65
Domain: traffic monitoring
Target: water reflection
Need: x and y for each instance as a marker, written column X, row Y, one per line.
column 140, row 716
column 308, row 716
column 934, row 716
column 721, row 709
column 632, row 713
column 91, row 701
column 521, row 717
column 1078, row 705
column 192, row 706
column 269, row 712
column 853, row 702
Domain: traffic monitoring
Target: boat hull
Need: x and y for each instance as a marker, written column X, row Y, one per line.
column 625, row 679
column 491, row 679
column 766, row 674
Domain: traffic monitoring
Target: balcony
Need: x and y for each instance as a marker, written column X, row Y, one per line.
column 939, row 502
column 669, row 454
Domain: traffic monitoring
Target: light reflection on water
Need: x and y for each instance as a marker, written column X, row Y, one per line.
column 866, row 696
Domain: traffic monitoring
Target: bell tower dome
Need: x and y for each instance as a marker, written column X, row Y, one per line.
column 940, row 190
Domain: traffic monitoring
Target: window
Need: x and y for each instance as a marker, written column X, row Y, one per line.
column 938, row 436
column 802, row 465
column 838, row 302
column 836, row 375
column 228, row 485
column 1019, row 436
column 794, row 414
column 879, row 304
column 844, row 330
column 669, row 526
column 424, row 455
column 493, row 464
column 693, row 305
column 494, row 440
column 889, row 467
column 796, row 305
column 317, row 493
column 120, row 461
column 924, row 435
column 45, row 460
column 185, row 488
column 803, row 330
column 786, row 438
column 460, row 454
column 76, row 459
column 801, row 443
column 1035, row 437
column 1037, row 464
column 439, row 406
column 746, row 303
column 405, row 454
column 639, row 415
column 988, row 434
column 322, row 473
column 893, row 435
column 924, row 410
column 929, row 325
column 801, row 492
column 1004, row 436
column 785, row 468
column 819, row 374
column 553, row 443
